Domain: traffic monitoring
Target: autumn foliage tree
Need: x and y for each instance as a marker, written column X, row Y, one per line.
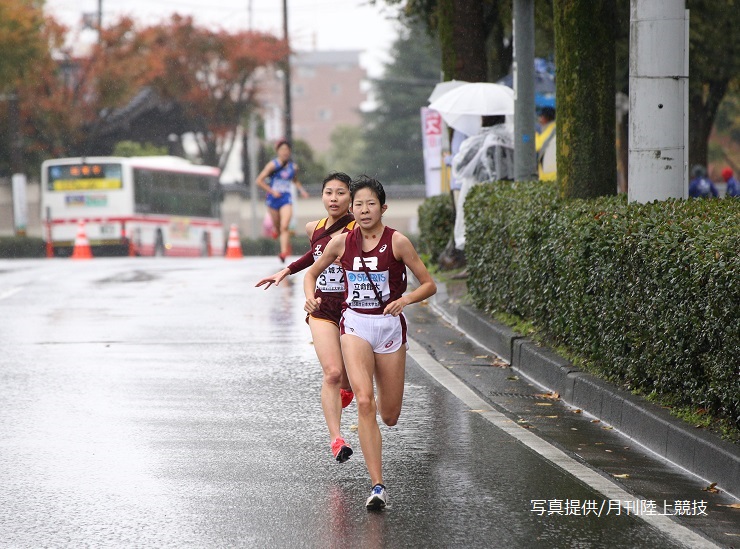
column 70, row 100
column 210, row 76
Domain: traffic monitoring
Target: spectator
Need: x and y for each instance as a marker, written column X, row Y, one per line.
column 544, row 144
column 701, row 186
column 733, row 187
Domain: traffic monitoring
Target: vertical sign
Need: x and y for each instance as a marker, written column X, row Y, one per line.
column 431, row 131
column 20, row 203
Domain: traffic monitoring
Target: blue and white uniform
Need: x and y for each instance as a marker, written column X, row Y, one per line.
column 281, row 180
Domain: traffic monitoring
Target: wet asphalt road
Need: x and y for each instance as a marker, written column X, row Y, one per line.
column 169, row 403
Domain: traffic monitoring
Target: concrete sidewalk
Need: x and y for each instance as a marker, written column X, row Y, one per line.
column 699, row 452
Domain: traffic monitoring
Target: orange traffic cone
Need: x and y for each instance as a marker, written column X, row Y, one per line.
column 82, row 246
column 234, row 246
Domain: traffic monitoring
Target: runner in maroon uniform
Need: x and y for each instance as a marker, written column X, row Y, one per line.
column 374, row 259
column 324, row 322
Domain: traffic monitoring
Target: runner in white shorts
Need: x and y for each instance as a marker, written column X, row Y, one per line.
column 374, row 259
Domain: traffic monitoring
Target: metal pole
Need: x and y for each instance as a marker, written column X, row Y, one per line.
column 525, row 160
column 100, row 19
column 252, row 150
column 288, row 105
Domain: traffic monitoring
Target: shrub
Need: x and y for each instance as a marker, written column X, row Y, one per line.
column 649, row 293
column 270, row 246
column 436, row 223
column 14, row 247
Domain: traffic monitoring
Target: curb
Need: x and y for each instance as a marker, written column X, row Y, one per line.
column 700, row 453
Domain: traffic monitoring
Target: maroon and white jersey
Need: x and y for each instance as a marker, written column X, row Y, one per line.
column 387, row 274
column 331, row 280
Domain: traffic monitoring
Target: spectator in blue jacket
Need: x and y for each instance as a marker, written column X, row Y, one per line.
column 733, row 187
column 701, row 186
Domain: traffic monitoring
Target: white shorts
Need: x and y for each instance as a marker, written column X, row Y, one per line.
column 384, row 333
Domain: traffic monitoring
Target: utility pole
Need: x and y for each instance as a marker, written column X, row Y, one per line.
column 658, row 109
column 100, row 20
column 286, row 70
column 525, row 160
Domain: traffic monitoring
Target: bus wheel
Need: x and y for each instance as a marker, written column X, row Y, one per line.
column 159, row 245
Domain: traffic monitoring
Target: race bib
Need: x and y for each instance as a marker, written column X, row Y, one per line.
column 331, row 279
column 360, row 292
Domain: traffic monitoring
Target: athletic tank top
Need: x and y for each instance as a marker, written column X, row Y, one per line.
column 331, row 280
column 387, row 273
column 282, row 178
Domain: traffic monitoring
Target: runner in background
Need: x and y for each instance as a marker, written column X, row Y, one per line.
column 282, row 173
column 374, row 259
column 329, row 290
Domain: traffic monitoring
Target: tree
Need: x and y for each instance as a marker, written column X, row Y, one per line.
column 714, row 65
column 393, row 134
column 21, row 41
column 21, row 44
column 348, row 150
column 190, row 78
column 585, row 61
column 208, row 74
column 475, row 35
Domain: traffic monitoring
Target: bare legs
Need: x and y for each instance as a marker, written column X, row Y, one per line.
column 388, row 370
column 326, row 343
column 281, row 223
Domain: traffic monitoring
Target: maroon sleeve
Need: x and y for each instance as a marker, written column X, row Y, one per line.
column 303, row 262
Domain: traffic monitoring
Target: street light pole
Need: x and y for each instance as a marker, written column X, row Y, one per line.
column 288, row 104
column 525, row 161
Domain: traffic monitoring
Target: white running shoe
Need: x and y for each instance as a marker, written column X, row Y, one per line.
column 377, row 498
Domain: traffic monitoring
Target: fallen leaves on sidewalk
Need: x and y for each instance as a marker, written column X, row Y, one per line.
column 711, row 488
column 731, row 506
column 553, row 396
column 621, row 476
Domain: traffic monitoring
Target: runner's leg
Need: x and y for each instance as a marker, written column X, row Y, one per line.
column 286, row 212
column 390, row 370
column 326, row 344
column 359, row 360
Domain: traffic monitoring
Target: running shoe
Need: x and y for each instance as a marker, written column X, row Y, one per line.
column 377, row 498
column 341, row 450
column 347, row 397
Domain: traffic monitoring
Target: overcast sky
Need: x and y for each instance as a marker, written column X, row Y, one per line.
column 313, row 24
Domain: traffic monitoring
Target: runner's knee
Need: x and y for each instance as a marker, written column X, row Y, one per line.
column 333, row 376
column 390, row 419
column 365, row 404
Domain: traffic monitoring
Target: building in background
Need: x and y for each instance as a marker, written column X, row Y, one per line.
column 328, row 89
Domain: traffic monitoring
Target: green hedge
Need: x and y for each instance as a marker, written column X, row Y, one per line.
column 436, row 223
column 649, row 294
column 271, row 246
column 15, row 247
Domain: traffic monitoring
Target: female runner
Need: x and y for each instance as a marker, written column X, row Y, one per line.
column 282, row 172
column 329, row 291
column 373, row 328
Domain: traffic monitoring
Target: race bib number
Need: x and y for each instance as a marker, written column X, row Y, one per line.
column 360, row 292
column 281, row 185
column 331, row 280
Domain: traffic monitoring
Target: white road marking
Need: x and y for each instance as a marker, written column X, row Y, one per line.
column 609, row 489
column 10, row 292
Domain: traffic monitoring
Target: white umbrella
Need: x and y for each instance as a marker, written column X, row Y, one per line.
column 462, row 107
column 443, row 87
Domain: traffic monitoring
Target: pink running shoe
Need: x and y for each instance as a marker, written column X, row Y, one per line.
column 341, row 450
column 347, row 397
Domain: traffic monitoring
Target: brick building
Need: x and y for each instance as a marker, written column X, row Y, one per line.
column 327, row 91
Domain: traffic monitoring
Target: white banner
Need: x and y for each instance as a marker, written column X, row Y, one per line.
column 431, row 131
column 20, row 203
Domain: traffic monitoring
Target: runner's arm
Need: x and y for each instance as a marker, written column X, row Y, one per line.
column 333, row 250
column 264, row 174
column 405, row 251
